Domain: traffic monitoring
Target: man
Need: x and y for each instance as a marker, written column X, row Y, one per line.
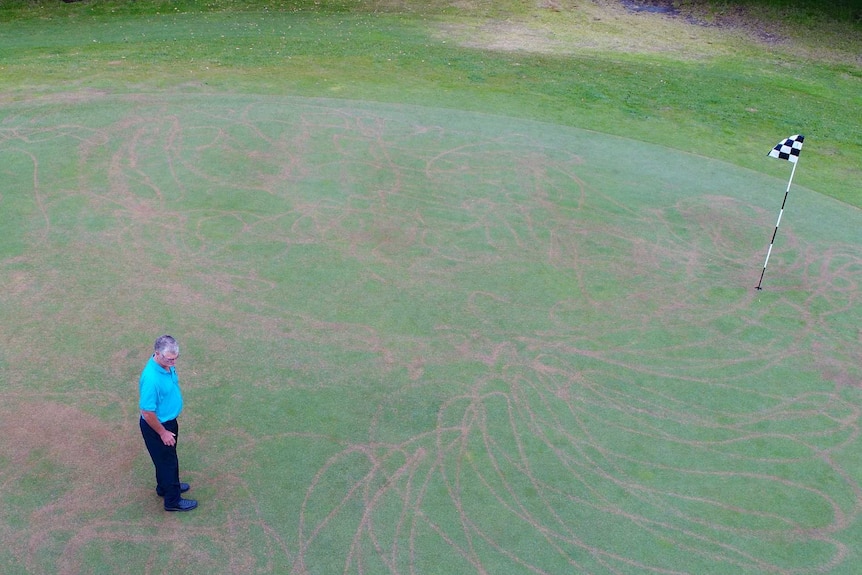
column 161, row 402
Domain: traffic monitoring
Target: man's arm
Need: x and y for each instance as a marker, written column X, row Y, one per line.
column 168, row 438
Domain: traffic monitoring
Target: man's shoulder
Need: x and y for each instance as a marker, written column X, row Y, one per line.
column 151, row 370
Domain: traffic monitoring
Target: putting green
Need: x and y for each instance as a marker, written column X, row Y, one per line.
column 418, row 341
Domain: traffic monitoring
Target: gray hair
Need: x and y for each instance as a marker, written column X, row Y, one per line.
column 165, row 343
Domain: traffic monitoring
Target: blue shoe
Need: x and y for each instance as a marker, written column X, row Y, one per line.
column 183, row 488
column 183, row 505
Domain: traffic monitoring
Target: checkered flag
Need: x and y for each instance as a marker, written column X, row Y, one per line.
column 788, row 149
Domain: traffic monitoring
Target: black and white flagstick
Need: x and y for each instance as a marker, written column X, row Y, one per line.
column 787, row 150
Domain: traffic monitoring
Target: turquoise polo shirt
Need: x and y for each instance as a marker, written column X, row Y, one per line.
column 160, row 391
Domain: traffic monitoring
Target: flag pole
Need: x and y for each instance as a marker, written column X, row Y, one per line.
column 775, row 232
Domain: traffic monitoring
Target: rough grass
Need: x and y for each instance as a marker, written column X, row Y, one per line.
column 739, row 82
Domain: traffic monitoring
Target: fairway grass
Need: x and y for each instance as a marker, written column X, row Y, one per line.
column 429, row 322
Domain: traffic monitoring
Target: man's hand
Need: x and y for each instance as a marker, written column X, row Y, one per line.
column 168, row 438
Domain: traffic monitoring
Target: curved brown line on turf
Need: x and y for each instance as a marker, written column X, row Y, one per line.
column 565, row 367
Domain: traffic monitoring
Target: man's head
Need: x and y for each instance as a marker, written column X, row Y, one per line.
column 167, row 351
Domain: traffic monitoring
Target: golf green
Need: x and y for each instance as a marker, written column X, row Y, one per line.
column 418, row 341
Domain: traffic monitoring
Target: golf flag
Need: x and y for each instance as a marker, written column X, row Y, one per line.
column 789, row 149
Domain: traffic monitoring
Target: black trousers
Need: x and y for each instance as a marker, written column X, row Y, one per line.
column 165, row 460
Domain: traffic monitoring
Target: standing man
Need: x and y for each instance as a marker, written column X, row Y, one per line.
column 161, row 402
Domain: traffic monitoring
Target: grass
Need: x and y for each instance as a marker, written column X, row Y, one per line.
column 805, row 12
column 666, row 81
column 421, row 331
